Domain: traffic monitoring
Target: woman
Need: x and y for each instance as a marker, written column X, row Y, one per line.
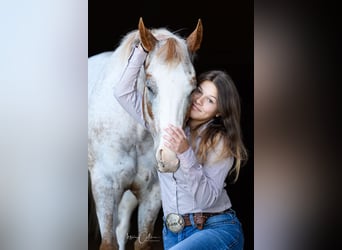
column 209, row 149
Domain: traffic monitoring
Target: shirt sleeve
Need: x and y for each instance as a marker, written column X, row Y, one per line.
column 206, row 181
column 126, row 90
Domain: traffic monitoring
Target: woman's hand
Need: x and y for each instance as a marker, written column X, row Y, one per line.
column 175, row 139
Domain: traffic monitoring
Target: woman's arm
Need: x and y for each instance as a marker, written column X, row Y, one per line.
column 126, row 90
column 204, row 182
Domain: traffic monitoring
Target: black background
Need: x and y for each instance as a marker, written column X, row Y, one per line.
column 228, row 44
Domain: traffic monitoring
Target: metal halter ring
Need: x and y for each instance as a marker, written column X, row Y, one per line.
column 175, row 222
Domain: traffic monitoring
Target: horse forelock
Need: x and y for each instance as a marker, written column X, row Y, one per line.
column 172, row 48
column 171, row 52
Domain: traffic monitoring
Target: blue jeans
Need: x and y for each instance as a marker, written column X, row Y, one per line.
column 222, row 231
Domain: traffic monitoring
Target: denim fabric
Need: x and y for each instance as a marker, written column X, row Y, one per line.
column 220, row 232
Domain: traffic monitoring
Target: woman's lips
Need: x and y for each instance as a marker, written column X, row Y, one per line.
column 194, row 107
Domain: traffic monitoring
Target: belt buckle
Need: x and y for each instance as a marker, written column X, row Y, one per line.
column 174, row 222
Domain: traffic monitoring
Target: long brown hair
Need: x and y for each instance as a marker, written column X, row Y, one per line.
column 226, row 126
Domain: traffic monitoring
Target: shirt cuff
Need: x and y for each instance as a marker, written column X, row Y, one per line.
column 138, row 57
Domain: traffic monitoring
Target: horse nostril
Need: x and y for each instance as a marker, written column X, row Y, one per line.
column 161, row 155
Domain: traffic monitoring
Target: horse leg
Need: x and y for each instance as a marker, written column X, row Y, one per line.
column 126, row 207
column 106, row 198
column 94, row 237
column 149, row 206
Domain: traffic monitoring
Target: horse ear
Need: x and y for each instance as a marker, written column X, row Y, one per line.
column 195, row 39
column 146, row 38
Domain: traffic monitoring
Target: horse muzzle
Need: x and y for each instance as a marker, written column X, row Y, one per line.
column 167, row 161
column 168, row 167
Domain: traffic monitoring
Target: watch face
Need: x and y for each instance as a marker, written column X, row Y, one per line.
column 174, row 222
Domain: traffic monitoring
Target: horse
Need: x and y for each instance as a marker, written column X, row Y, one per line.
column 124, row 158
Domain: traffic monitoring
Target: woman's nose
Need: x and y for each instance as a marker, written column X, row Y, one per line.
column 198, row 100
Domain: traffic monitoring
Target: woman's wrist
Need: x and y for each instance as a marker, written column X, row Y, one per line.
column 141, row 47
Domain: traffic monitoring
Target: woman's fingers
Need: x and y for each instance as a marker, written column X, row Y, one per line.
column 175, row 139
column 177, row 132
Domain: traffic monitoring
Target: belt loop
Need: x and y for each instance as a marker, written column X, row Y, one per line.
column 192, row 219
column 200, row 219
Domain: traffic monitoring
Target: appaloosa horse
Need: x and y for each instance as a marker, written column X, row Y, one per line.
column 123, row 156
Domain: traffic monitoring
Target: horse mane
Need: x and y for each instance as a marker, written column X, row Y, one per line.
column 127, row 43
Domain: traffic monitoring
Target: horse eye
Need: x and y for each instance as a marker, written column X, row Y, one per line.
column 150, row 89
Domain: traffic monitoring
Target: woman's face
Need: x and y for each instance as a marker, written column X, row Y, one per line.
column 204, row 102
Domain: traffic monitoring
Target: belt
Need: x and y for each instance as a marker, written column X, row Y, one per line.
column 201, row 218
column 176, row 222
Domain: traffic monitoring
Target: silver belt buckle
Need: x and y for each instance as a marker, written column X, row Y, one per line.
column 174, row 222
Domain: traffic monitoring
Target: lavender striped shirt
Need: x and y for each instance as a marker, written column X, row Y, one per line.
column 193, row 187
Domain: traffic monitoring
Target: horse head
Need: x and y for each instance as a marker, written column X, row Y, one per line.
column 168, row 78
